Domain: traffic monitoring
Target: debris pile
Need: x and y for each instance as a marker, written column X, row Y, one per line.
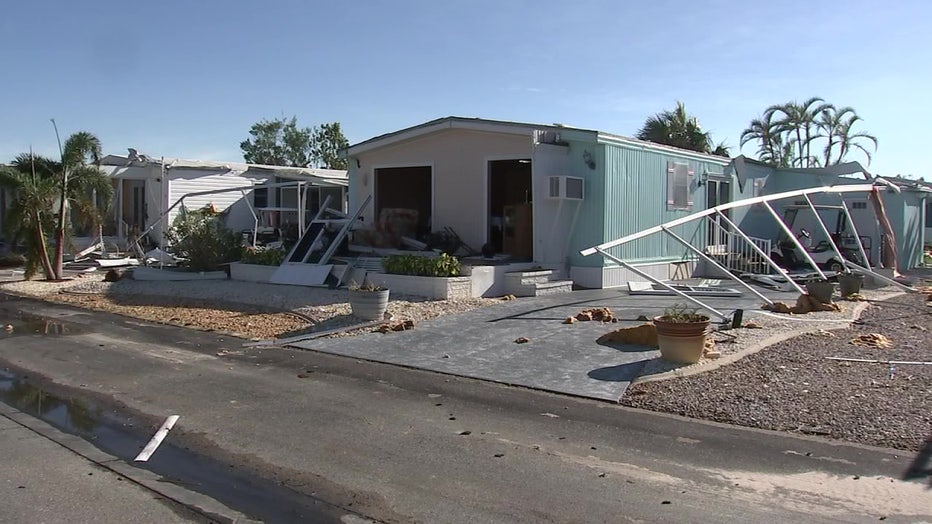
column 804, row 304
column 643, row 335
column 601, row 314
column 855, row 297
column 522, row 340
column 401, row 325
column 872, row 340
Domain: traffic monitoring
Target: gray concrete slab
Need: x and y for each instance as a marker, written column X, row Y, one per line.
column 563, row 358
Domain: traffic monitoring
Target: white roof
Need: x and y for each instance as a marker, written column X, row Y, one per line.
column 116, row 165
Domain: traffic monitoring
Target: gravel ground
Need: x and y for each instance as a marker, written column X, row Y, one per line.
column 245, row 309
column 791, row 386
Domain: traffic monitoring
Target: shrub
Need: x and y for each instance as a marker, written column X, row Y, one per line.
column 201, row 237
column 12, row 260
column 421, row 266
column 263, row 256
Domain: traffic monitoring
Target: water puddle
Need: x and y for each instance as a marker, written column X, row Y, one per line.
column 24, row 324
column 124, row 436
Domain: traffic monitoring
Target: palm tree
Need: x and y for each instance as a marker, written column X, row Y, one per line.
column 848, row 140
column 31, row 180
column 79, row 180
column 800, row 119
column 676, row 128
column 41, row 184
column 768, row 131
column 829, row 122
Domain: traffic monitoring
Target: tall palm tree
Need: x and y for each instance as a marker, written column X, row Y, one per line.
column 848, row 140
column 829, row 122
column 32, row 181
column 676, row 128
column 767, row 130
column 800, row 119
column 80, row 177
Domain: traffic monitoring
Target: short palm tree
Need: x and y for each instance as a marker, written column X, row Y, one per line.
column 848, row 139
column 767, row 130
column 676, row 128
column 32, row 182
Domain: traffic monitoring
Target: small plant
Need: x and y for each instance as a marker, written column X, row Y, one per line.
column 263, row 256
column 366, row 285
column 201, row 237
column 421, row 266
column 681, row 314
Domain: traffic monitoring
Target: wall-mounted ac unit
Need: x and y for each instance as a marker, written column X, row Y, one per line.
column 566, row 187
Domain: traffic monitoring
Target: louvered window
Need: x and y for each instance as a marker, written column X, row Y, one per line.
column 679, row 183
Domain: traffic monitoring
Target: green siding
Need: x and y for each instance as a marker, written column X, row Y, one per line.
column 636, row 198
column 589, row 227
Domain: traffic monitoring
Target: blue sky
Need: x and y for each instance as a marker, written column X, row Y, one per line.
column 188, row 78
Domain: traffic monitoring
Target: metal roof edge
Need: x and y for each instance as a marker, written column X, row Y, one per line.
column 608, row 138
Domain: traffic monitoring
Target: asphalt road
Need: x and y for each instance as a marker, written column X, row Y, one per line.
column 400, row 445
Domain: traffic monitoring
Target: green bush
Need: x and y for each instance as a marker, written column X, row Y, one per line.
column 263, row 256
column 421, row 266
column 201, row 237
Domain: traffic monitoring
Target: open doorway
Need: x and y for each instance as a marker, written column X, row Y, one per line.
column 510, row 214
column 718, row 192
column 405, row 188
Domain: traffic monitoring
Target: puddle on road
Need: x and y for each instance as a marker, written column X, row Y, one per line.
column 124, row 437
column 26, row 324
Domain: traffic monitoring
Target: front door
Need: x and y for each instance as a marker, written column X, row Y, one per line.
column 718, row 192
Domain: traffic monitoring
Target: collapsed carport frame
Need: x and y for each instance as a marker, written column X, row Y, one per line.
column 718, row 211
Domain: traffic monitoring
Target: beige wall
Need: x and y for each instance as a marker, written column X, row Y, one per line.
column 459, row 159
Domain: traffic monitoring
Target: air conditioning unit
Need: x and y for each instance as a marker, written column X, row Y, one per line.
column 566, row 187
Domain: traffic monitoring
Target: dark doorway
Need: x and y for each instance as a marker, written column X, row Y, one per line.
column 405, row 188
column 718, row 192
column 510, row 222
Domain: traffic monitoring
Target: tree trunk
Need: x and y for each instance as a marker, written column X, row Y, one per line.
column 43, row 249
column 60, row 230
column 888, row 245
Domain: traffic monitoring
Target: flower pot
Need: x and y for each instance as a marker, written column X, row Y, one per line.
column 369, row 305
column 682, row 350
column 850, row 283
column 821, row 290
column 681, row 342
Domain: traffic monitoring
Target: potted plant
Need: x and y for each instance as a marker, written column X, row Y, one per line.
column 368, row 301
column 681, row 334
column 821, row 290
column 849, row 283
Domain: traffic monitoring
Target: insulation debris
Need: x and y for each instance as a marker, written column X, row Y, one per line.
column 873, row 340
column 401, row 325
column 643, row 335
column 804, row 304
column 601, row 314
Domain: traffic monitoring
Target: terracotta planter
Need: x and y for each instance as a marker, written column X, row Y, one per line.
column 681, row 342
column 369, row 305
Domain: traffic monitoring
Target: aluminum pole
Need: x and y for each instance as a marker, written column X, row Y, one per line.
column 668, row 287
column 760, row 252
column 718, row 266
column 857, row 237
column 795, row 240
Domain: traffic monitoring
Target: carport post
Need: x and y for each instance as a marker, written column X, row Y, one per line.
column 825, row 231
column 718, row 266
column 668, row 287
column 759, row 251
column 792, row 237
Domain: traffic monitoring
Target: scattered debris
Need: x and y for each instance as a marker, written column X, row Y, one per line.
column 551, row 415
column 601, row 314
column 874, row 340
column 752, row 324
column 888, row 362
column 709, row 351
column 804, row 304
column 824, row 333
column 569, row 320
column 115, row 275
column 509, row 297
column 643, row 335
column 401, row 325
column 522, row 340
column 855, row 297
column 8, row 328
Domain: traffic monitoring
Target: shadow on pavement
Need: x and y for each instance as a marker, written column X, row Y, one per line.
column 921, row 466
column 621, row 373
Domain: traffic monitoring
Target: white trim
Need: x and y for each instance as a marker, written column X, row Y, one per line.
column 433, row 189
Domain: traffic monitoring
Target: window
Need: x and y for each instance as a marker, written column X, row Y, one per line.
column 679, row 181
column 260, row 197
column 859, row 205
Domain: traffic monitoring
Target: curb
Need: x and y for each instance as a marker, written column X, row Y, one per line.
column 148, row 480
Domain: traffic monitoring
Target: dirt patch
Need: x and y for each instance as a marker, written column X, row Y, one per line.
column 791, row 386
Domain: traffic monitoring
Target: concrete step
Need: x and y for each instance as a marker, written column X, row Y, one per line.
column 536, row 289
column 526, row 278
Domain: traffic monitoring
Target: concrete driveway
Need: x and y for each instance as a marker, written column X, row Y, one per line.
column 563, row 358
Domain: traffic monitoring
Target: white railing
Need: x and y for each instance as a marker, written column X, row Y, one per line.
column 734, row 252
